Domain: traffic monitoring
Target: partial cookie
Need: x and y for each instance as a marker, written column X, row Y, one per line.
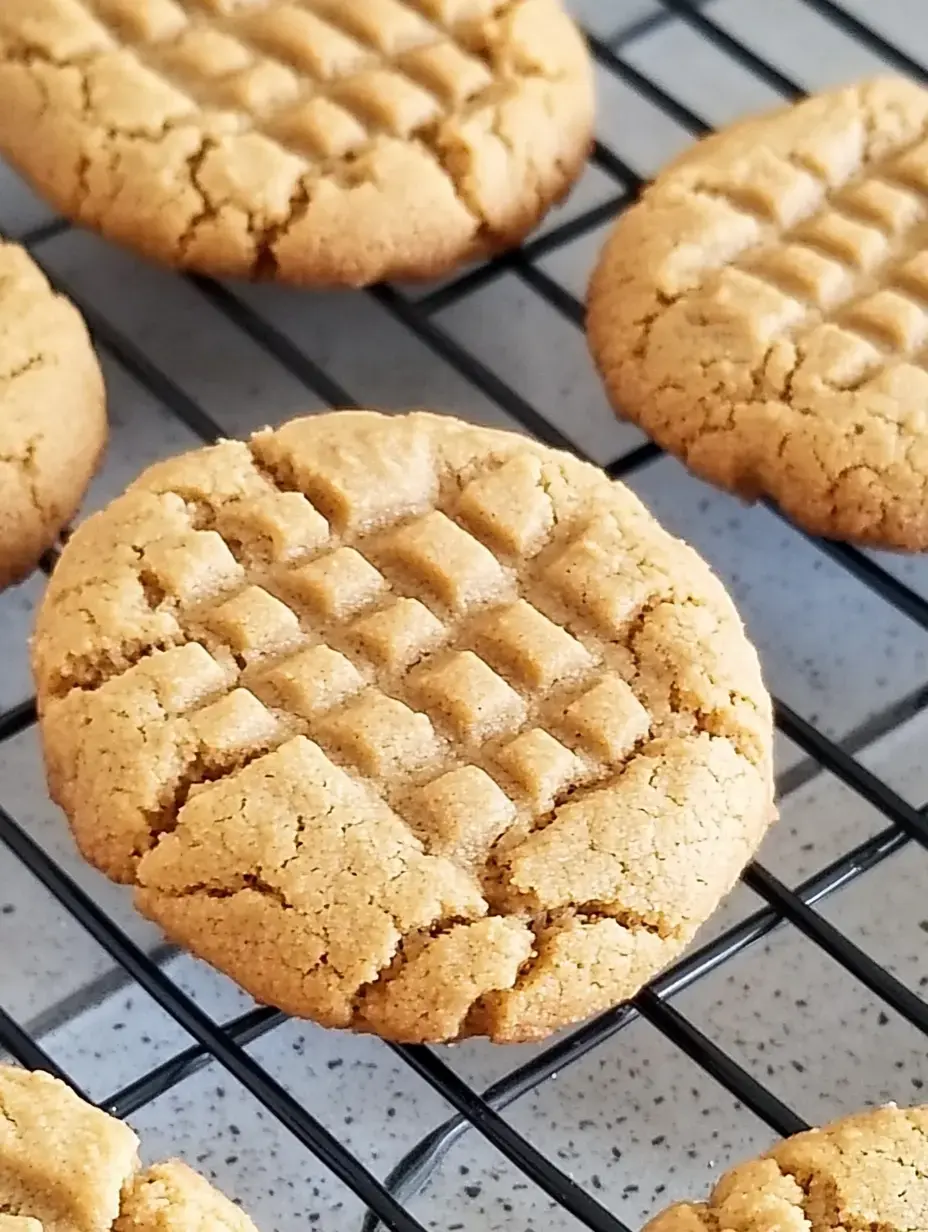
column 52, row 415
column 62, row 1161
column 171, row 1197
column 865, row 1171
column 65, row 1166
column 407, row 725
column 762, row 312
column 338, row 142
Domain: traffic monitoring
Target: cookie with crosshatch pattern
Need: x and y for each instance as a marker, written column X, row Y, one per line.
column 407, row 725
column 66, row 1166
column 762, row 312
column 311, row 141
column 868, row 1170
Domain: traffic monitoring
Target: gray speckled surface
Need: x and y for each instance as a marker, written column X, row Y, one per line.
column 636, row 1122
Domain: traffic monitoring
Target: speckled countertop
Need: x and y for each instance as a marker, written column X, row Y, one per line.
column 636, row 1121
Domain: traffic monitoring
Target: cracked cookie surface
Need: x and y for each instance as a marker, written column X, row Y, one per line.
column 762, row 312
column 52, row 415
column 407, row 725
column 321, row 142
column 865, row 1171
column 65, row 1166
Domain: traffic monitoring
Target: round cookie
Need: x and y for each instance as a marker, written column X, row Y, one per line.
column 52, row 413
column 762, row 311
column 65, row 1166
column 869, row 1170
column 409, row 726
column 332, row 144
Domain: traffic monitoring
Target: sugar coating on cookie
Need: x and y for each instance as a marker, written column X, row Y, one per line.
column 762, row 312
column 52, row 413
column 329, row 142
column 408, row 725
column 65, row 1166
column 869, row 1170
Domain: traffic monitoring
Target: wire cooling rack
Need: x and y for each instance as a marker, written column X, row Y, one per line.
column 226, row 1044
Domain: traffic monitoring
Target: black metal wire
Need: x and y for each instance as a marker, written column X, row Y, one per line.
column 718, row 1064
column 139, row 366
column 854, row 960
column 634, row 460
column 867, row 37
column 481, row 377
column 648, row 89
column 551, row 241
column 272, row 341
column 843, row 766
column 247, row 1028
column 903, row 598
column 20, row 1045
column 638, row 29
column 714, row 34
column 226, row 1044
column 509, row 1141
column 17, row 719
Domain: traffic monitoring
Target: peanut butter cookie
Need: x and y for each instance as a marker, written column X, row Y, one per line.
column 316, row 142
column 865, row 1171
column 407, row 725
column 65, row 1166
column 762, row 312
column 52, row 416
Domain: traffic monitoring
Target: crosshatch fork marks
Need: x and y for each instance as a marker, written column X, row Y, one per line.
column 415, row 661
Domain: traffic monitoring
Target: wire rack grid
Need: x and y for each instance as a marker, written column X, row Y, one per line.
column 226, row 1044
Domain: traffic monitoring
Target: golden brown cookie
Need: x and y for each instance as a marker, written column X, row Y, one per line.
column 65, row 1166
column 407, row 725
column 868, row 1171
column 328, row 142
column 52, row 416
column 762, row 312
